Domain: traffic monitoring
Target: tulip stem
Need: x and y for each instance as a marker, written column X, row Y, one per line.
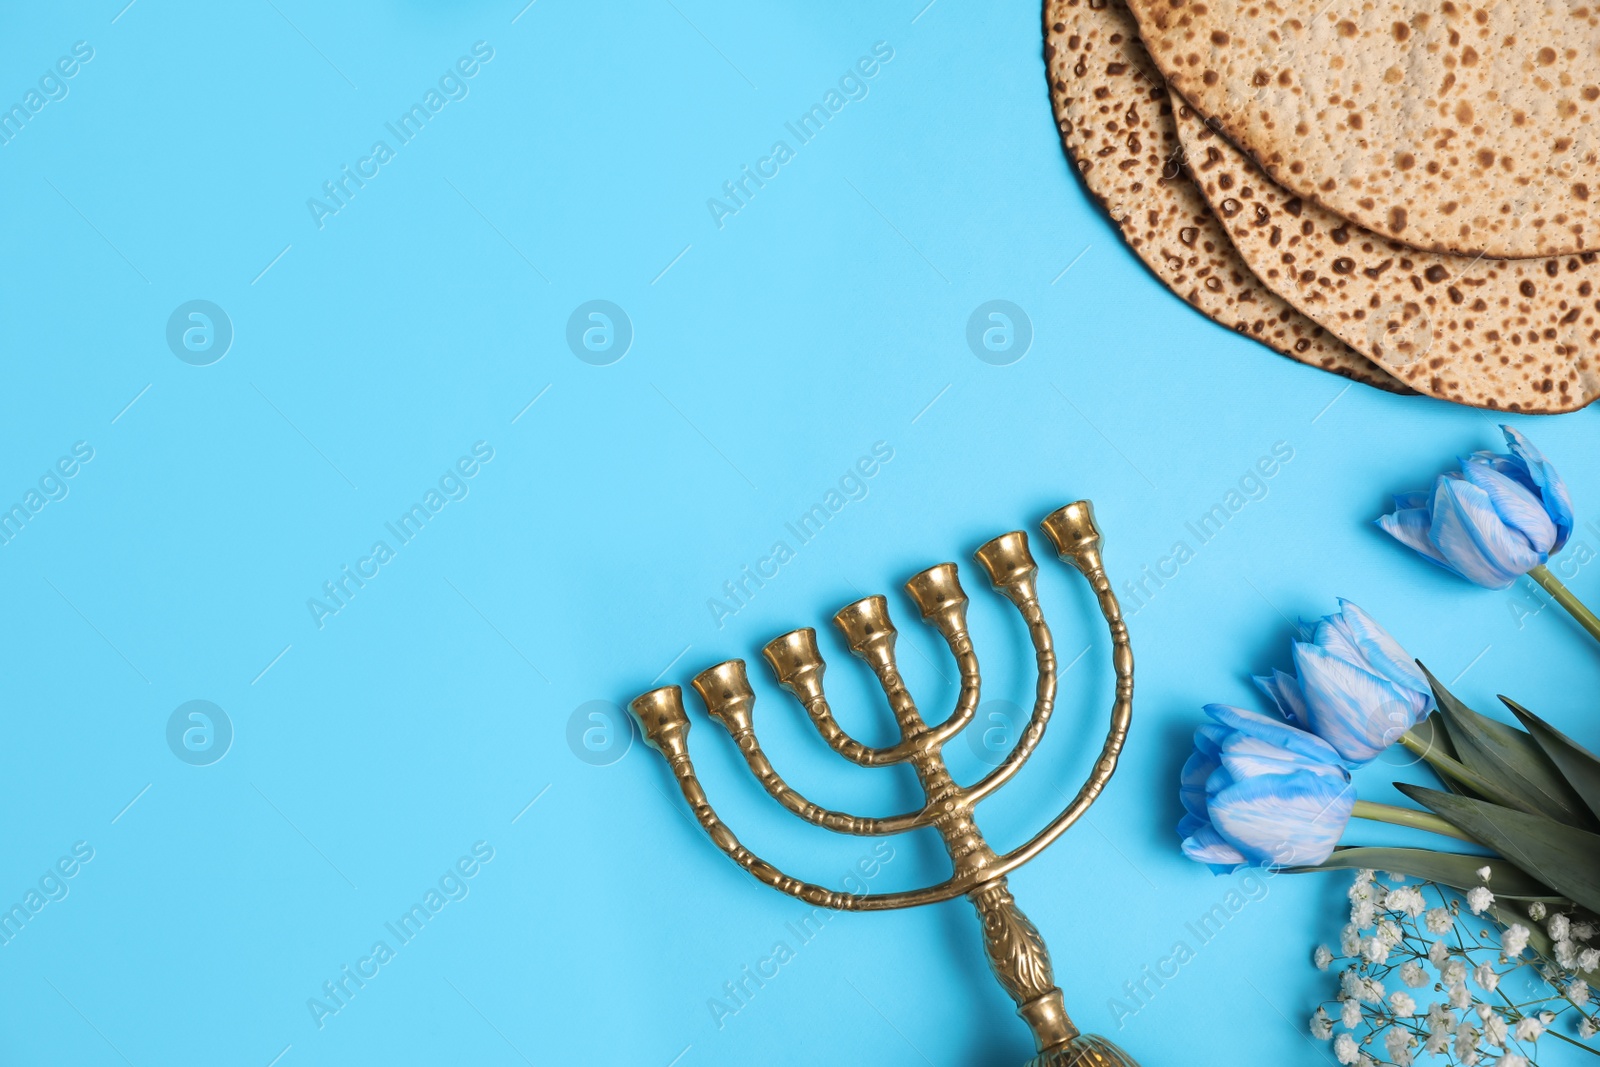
column 1458, row 771
column 1416, row 820
column 1563, row 596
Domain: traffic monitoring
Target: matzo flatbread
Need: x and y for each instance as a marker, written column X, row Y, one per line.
column 1449, row 126
column 1519, row 334
column 1116, row 124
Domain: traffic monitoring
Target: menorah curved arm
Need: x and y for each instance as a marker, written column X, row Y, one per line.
column 1080, row 547
column 730, row 700
column 1077, row 540
column 798, row 665
column 1011, row 568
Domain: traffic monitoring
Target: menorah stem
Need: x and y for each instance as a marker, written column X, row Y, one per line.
column 1021, row 963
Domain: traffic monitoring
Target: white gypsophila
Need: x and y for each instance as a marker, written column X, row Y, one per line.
column 1589, row 959
column 1587, row 1028
column 1494, row 1027
column 1466, row 1042
column 1486, row 976
column 1389, row 932
column 1440, row 1019
column 1454, row 972
column 1438, row 1041
column 1349, row 940
column 1438, row 920
column 1577, row 991
column 1513, row 1059
column 1321, row 1025
column 1479, row 899
column 1345, row 1050
column 1528, row 1029
column 1363, row 914
column 1366, row 990
column 1407, row 900
column 1567, row 954
column 1402, row 1005
column 1375, row 950
column 1322, row 957
column 1350, row 1013
column 1513, row 940
column 1582, row 931
column 1460, row 997
column 1559, row 927
column 1484, row 873
column 1398, row 1041
column 1363, row 876
column 1438, row 953
column 1536, row 910
column 1414, row 974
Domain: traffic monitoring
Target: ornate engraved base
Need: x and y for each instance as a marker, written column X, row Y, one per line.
column 1086, row 1050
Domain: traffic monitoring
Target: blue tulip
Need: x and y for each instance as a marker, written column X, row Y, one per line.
column 1259, row 791
column 1356, row 689
column 1493, row 521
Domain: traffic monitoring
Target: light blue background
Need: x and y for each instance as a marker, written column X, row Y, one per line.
column 769, row 354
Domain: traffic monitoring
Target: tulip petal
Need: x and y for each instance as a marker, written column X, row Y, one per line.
column 1275, row 731
column 1201, row 762
column 1381, row 651
column 1244, row 757
column 1410, row 526
column 1285, row 692
column 1552, row 490
column 1206, row 846
column 1471, row 537
column 1283, row 819
column 1518, row 508
column 1355, row 711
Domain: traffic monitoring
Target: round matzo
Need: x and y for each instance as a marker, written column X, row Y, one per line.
column 1454, row 127
column 1518, row 335
column 1117, row 126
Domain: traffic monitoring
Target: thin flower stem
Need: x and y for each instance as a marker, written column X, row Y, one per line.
column 1416, row 820
column 1460, row 772
column 1563, row 596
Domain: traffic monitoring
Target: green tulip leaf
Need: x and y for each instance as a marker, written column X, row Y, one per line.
column 1580, row 766
column 1447, row 868
column 1563, row 857
column 1524, row 776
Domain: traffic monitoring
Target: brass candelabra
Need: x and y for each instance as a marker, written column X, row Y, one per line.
column 1015, row 950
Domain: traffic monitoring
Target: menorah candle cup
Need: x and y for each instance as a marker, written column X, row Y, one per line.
column 1011, row 567
column 867, row 630
column 797, row 663
column 1012, row 944
column 663, row 721
column 1076, row 537
column 938, row 595
column 726, row 691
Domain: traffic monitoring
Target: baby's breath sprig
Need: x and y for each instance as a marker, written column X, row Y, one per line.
column 1465, row 987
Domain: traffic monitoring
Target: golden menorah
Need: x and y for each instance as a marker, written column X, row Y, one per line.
column 1013, row 945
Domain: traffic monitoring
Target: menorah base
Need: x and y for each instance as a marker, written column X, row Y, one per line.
column 1085, row 1050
